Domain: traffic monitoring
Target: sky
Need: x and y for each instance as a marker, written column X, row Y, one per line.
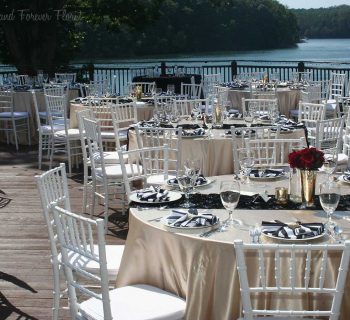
column 307, row 4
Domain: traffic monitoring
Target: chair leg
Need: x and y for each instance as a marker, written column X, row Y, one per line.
column 14, row 129
column 69, row 158
column 56, row 292
column 52, row 151
column 29, row 135
column 40, row 150
column 85, row 186
column 92, row 209
column 106, row 201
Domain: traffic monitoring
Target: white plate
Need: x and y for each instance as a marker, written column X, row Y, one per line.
column 164, row 221
column 173, row 196
column 293, row 240
column 201, row 185
column 343, row 178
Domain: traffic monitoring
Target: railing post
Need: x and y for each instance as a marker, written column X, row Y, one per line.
column 90, row 69
column 301, row 67
column 162, row 68
column 234, row 69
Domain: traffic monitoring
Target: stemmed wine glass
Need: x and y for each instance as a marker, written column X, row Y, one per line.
column 248, row 116
column 329, row 198
column 209, row 123
column 174, row 118
column 193, row 169
column 186, row 186
column 246, row 161
column 329, row 164
column 229, row 194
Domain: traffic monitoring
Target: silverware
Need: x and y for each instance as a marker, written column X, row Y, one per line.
column 207, row 234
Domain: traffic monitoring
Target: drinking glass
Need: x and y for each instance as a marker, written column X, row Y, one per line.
column 193, row 169
column 186, row 186
column 209, row 123
column 229, row 194
column 329, row 198
column 246, row 161
column 248, row 116
column 329, row 164
column 174, row 118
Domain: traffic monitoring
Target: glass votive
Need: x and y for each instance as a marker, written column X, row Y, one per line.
column 281, row 195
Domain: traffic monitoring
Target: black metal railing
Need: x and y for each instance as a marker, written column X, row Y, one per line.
column 119, row 75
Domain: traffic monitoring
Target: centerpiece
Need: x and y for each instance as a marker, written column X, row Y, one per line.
column 308, row 161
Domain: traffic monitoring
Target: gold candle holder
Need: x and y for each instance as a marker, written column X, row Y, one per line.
column 281, row 195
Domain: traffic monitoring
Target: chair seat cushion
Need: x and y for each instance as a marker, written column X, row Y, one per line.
column 115, row 172
column 72, row 134
column 114, row 255
column 15, row 114
column 137, row 302
column 47, row 128
column 111, row 157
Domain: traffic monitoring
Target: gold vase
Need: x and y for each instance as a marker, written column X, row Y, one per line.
column 308, row 183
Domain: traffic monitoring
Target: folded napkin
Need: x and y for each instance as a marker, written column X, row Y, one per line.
column 153, row 194
column 267, row 173
column 295, row 230
column 195, row 132
column 180, row 218
column 346, row 177
column 200, row 180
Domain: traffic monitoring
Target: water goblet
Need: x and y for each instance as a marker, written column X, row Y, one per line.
column 186, row 186
column 329, row 164
column 248, row 117
column 174, row 118
column 329, row 198
column 246, row 162
column 209, row 123
column 193, row 169
column 230, row 194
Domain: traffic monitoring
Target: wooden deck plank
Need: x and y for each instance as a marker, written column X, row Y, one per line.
column 24, row 246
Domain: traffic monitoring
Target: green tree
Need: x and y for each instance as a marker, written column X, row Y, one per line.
column 44, row 34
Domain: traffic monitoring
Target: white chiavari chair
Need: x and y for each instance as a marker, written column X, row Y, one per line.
column 335, row 90
column 292, row 282
column 65, row 77
column 191, row 90
column 184, row 107
column 209, row 82
column 144, row 164
column 157, row 137
column 259, row 106
column 138, row 301
column 13, row 122
column 146, row 87
column 67, row 140
column 53, row 187
column 240, row 136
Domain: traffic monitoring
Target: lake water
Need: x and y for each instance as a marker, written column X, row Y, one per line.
column 317, row 50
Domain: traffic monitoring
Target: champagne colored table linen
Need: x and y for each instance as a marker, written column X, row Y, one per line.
column 215, row 153
column 287, row 99
column 144, row 112
column 203, row 270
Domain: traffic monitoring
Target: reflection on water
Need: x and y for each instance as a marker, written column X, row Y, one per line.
column 332, row 50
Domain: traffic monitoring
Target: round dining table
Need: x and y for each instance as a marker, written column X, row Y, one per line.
column 215, row 153
column 288, row 99
column 202, row 270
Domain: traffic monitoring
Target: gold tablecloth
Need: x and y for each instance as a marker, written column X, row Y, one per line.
column 203, row 270
column 287, row 99
column 215, row 153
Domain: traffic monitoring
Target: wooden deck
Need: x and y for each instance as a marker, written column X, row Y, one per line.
column 25, row 270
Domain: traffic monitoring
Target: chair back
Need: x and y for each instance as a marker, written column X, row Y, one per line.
column 328, row 134
column 304, row 77
column 97, row 88
column 259, row 106
column 88, row 114
column 191, row 90
column 336, row 85
column 158, row 137
column 311, row 112
column 312, row 93
column 302, row 276
column 273, row 152
column 209, row 82
column 123, row 115
column 185, row 107
column 240, row 136
column 6, row 101
column 75, row 235
column 56, row 107
column 53, row 187
column 143, row 163
column 22, row 79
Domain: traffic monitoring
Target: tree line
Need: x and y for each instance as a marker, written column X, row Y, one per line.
column 333, row 22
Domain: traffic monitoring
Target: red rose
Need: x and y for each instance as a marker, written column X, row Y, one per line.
column 308, row 158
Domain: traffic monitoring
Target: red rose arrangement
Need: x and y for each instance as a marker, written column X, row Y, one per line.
column 308, row 158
